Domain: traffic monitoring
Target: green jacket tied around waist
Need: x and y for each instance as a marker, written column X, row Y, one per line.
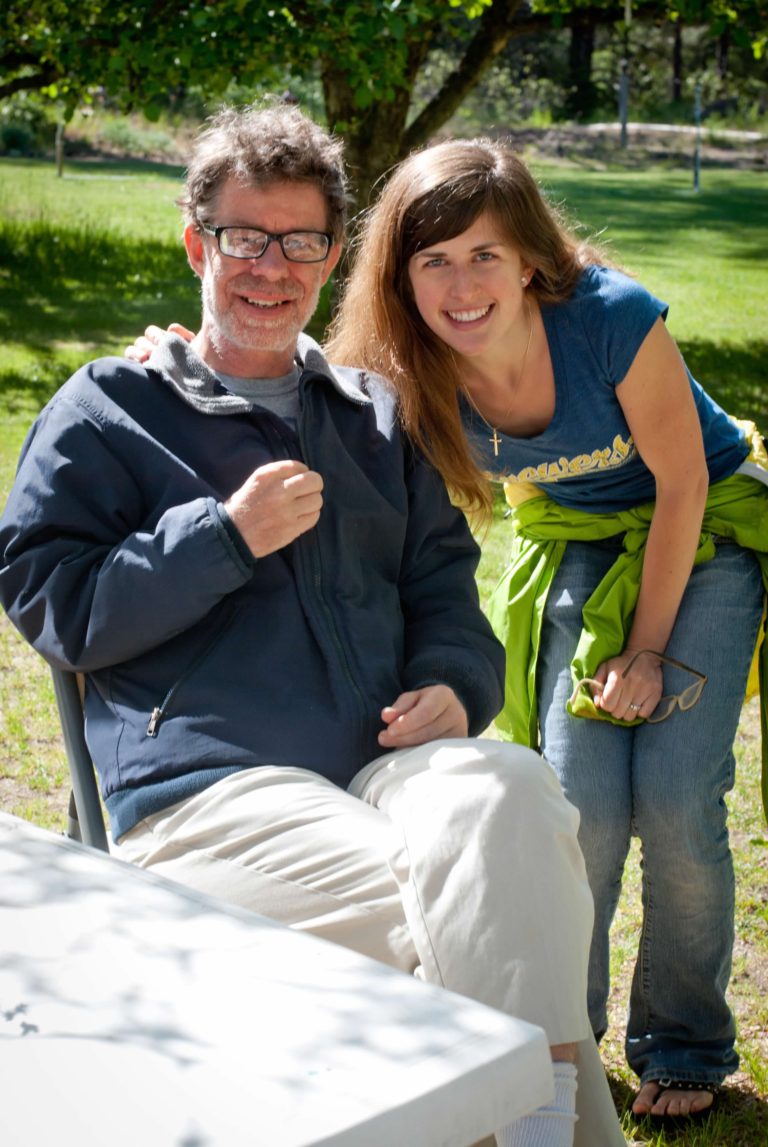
column 737, row 508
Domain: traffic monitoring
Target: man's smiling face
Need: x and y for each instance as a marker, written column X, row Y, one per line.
column 254, row 309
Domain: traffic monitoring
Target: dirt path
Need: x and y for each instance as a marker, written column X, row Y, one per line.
column 600, row 143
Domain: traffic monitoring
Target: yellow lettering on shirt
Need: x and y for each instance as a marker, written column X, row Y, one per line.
column 606, row 458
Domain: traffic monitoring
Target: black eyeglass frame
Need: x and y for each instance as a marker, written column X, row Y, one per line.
column 270, row 237
column 674, row 700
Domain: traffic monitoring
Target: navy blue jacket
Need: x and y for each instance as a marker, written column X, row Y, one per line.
column 118, row 559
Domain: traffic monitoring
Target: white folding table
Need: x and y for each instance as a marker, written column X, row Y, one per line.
column 137, row 1013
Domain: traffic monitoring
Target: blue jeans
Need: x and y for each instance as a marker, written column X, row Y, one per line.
column 666, row 784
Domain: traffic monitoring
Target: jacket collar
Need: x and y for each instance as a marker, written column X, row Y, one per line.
column 348, row 380
column 186, row 373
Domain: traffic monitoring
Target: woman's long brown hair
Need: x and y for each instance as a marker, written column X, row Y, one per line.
column 435, row 195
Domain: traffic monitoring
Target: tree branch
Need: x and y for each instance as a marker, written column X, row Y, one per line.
column 499, row 25
column 496, row 28
column 33, row 83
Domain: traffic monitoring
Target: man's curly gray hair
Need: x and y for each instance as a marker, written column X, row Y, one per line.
column 265, row 143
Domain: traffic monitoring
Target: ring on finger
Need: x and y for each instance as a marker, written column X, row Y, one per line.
column 635, row 708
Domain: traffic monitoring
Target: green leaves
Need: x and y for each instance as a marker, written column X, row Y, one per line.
column 137, row 49
column 363, row 55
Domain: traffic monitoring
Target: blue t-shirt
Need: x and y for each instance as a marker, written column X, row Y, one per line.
column 586, row 458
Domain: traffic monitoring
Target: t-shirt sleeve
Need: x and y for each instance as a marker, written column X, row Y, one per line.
column 617, row 313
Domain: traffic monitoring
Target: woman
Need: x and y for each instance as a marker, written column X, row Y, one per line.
column 638, row 540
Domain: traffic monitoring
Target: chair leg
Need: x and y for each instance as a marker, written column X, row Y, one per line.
column 73, row 824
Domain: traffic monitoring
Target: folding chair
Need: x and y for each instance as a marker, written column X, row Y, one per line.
column 85, row 819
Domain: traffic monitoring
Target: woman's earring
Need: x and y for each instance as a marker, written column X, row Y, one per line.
column 524, row 281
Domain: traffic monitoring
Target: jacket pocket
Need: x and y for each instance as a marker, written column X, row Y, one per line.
column 159, row 712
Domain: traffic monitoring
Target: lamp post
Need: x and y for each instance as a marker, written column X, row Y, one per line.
column 624, row 76
column 697, row 136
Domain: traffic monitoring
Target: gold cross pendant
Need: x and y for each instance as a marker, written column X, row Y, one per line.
column 495, row 442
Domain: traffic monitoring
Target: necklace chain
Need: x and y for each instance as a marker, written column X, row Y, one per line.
column 495, row 440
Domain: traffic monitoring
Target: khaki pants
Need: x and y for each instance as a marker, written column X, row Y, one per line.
column 456, row 861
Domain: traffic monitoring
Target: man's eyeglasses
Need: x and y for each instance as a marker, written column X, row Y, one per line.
column 666, row 706
column 249, row 243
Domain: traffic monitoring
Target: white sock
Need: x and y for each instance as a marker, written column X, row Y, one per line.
column 550, row 1126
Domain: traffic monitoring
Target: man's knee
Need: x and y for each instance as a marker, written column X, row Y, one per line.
column 501, row 778
column 530, row 780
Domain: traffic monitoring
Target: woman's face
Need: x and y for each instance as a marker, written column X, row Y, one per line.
column 468, row 290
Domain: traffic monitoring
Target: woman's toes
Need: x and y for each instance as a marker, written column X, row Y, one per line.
column 654, row 1099
column 645, row 1098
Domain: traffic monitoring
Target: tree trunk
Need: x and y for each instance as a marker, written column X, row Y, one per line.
column 723, row 47
column 381, row 136
column 371, row 141
column 495, row 28
column 677, row 63
column 580, row 100
column 373, row 138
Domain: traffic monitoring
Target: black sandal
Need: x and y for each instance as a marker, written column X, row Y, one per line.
column 666, row 1084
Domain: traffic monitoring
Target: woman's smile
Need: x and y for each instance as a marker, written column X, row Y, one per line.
column 473, row 316
column 469, row 291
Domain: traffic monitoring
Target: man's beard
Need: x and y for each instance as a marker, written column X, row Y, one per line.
column 227, row 331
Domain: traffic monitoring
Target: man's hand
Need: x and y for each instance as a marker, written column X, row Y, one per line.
column 277, row 503
column 423, row 715
column 142, row 348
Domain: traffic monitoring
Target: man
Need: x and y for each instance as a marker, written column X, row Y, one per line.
column 267, row 589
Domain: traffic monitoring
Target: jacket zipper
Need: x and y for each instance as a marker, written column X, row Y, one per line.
column 316, row 581
column 161, row 711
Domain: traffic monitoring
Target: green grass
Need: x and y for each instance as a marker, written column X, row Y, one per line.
column 87, row 261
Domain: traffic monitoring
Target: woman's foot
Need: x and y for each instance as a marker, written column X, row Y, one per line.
column 673, row 1099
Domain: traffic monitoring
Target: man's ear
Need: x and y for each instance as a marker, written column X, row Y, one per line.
column 193, row 241
column 333, row 257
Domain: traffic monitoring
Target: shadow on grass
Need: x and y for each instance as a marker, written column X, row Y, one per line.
column 103, row 166
column 71, row 295
column 735, row 376
column 51, row 278
column 97, row 163
column 649, row 210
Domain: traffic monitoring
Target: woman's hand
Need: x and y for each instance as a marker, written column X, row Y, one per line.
column 142, row 348
column 628, row 693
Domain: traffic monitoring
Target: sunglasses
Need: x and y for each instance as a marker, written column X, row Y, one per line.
column 671, row 701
